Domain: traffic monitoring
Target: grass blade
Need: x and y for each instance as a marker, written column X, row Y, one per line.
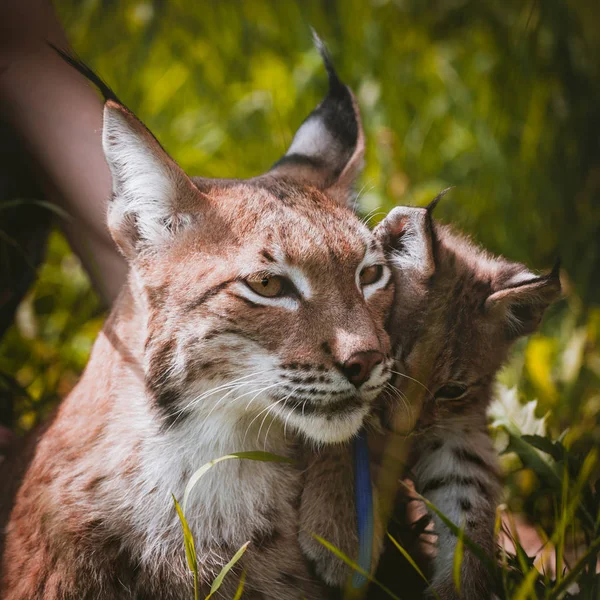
column 458, row 558
column 527, row 588
column 57, row 210
column 251, row 455
column 188, row 543
column 240, row 588
column 221, row 576
column 475, row 548
column 413, row 564
column 571, row 576
column 353, row 565
column 409, row 558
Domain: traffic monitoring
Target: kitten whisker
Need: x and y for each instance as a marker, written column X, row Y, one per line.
column 370, row 185
column 289, row 414
column 257, row 394
column 178, row 413
column 371, row 212
column 415, row 380
column 377, row 214
column 402, row 398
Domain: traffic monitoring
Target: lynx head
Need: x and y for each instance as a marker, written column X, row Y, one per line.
column 465, row 307
column 263, row 297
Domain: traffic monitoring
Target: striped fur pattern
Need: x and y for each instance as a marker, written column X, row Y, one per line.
column 478, row 305
column 456, row 314
column 196, row 362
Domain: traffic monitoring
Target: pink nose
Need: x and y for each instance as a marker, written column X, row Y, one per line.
column 359, row 366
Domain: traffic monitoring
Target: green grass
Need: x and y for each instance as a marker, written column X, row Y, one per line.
column 565, row 477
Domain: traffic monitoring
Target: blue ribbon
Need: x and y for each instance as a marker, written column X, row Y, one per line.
column 363, row 494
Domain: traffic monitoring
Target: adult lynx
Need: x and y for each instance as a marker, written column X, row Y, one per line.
column 254, row 309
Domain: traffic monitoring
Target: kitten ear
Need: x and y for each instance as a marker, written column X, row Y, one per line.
column 521, row 301
column 407, row 236
column 149, row 189
column 328, row 149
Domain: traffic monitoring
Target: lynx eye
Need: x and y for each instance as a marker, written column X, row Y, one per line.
column 371, row 274
column 269, row 286
column 452, row 391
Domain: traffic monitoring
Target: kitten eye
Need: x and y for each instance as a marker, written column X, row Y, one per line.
column 269, row 286
column 371, row 274
column 452, row 391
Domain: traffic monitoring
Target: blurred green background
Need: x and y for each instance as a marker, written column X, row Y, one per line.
column 500, row 99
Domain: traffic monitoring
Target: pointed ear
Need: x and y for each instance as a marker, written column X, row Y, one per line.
column 521, row 301
column 407, row 236
column 150, row 191
column 328, row 149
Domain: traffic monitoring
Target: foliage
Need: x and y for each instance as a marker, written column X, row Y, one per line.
column 501, row 100
column 567, row 479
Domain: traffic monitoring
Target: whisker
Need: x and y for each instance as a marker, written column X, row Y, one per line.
column 362, row 189
column 287, row 418
column 270, row 425
column 258, row 394
column 367, row 221
column 399, row 395
column 179, row 412
column 219, row 388
column 261, row 412
column 237, row 387
column 368, row 215
column 415, row 380
column 229, row 383
column 254, row 419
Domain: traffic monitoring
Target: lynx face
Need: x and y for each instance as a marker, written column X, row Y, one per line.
column 478, row 304
column 278, row 308
column 265, row 298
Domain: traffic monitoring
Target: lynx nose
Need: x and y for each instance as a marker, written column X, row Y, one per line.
column 359, row 366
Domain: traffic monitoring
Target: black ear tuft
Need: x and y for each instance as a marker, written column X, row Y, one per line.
column 87, row 72
column 327, row 150
column 431, row 206
column 334, row 81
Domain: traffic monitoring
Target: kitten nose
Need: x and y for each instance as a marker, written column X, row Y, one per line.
column 359, row 366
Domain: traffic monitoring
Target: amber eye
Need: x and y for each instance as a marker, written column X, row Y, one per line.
column 269, row 286
column 371, row 274
column 452, row 391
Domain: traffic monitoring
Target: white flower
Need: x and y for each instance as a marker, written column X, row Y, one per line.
column 507, row 412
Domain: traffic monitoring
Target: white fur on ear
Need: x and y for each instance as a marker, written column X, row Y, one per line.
column 145, row 185
column 312, row 139
column 406, row 231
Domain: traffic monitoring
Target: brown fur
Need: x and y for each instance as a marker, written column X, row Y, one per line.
column 456, row 314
